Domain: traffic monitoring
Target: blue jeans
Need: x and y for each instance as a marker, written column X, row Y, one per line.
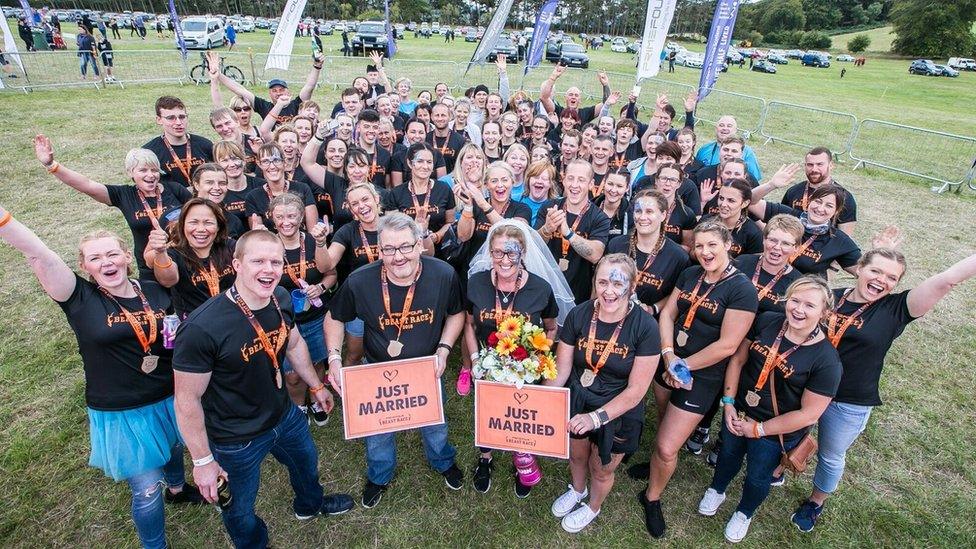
column 762, row 456
column 84, row 60
column 291, row 444
column 839, row 427
column 314, row 336
column 147, row 498
column 381, row 453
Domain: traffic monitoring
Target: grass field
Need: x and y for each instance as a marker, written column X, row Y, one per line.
column 881, row 39
column 910, row 480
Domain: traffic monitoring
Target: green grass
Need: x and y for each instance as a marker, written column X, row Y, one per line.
column 910, row 478
column 881, row 39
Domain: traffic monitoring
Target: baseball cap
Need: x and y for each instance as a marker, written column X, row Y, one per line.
column 277, row 82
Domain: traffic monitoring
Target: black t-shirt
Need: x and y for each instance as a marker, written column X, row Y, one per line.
column 815, row 368
column 733, row 292
column 595, row 225
column 355, row 254
column 262, row 106
column 236, row 201
column 621, row 221
column 258, row 201
column 448, row 147
column 680, row 219
column 775, row 298
column 818, row 253
column 192, row 290
column 639, row 336
column 535, row 301
column 201, row 151
column 865, row 344
column 596, row 189
column 586, row 113
column 688, row 192
column 126, row 199
column 798, row 196
column 482, row 225
column 441, row 200
column 379, row 166
column 711, row 172
column 399, row 164
column 747, row 238
column 655, row 283
column 437, row 296
column 292, row 268
column 110, row 351
column 242, row 400
column 330, row 197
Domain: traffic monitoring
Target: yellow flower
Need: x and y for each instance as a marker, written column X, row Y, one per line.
column 540, row 342
column 509, row 327
column 505, row 346
column 547, row 365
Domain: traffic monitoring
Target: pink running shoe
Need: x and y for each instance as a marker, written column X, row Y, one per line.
column 464, row 382
column 527, row 469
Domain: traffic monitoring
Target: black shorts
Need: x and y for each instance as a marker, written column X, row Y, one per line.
column 626, row 435
column 699, row 398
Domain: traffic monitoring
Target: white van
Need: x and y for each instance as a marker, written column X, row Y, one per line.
column 962, row 63
column 203, row 32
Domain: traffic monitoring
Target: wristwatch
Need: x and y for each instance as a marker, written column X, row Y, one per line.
column 603, row 415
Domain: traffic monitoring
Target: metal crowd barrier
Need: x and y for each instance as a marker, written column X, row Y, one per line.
column 945, row 158
column 809, row 127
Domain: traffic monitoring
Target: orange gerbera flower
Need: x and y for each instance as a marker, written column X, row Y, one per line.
column 509, row 327
column 505, row 346
column 547, row 367
column 540, row 342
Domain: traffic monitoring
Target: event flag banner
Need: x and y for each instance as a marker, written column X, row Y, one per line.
column 719, row 37
column 177, row 29
column 9, row 46
column 656, row 25
column 492, row 32
column 533, row 419
column 391, row 46
column 284, row 39
column 29, row 14
column 543, row 20
column 391, row 396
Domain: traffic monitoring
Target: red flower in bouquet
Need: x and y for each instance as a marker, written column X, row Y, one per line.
column 520, row 353
column 493, row 339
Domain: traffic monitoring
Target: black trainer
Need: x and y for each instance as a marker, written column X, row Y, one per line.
column 639, row 471
column 189, row 495
column 712, row 457
column 319, row 416
column 697, row 441
column 521, row 491
column 372, row 494
column 336, row 504
column 454, row 478
column 482, row 475
column 653, row 516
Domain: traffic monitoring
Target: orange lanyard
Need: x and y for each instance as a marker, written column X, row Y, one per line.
column 184, row 168
column 366, row 247
column 835, row 333
column 651, row 256
column 565, row 243
column 267, row 189
column 271, row 350
column 774, row 357
column 302, row 265
column 400, row 319
column 155, row 213
column 144, row 340
column 696, row 301
column 416, row 204
column 212, row 278
column 764, row 290
column 803, row 247
column 610, row 344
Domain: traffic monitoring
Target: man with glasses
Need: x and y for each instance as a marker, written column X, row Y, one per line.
column 179, row 151
column 417, row 313
column 276, row 88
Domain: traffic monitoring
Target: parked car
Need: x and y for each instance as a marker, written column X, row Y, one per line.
column 962, row 63
column 634, row 46
column 411, row 26
column 815, row 60
column 471, row 36
column 924, row 67
column 778, row 59
column 504, row 45
column 326, row 29
column 273, row 28
column 435, row 28
column 947, row 71
column 795, row 54
column 573, row 55
column 619, row 45
column 733, row 56
column 764, row 66
column 370, row 36
column 844, row 58
column 202, row 32
column 596, row 42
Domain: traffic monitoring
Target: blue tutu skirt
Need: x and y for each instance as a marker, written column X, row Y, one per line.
column 127, row 442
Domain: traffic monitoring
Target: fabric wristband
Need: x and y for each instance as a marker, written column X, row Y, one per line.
column 728, row 401
column 203, row 461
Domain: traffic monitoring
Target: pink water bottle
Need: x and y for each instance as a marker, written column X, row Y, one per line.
column 527, row 469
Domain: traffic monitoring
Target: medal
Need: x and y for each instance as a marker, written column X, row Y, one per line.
column 282, row 332
column 149, row 363
column 696, row 302
column 587, row 378
column 752, row 398
column 278, row 378
column 563, row 264
column 564, row 259
column 394, row 348
column 682, row 338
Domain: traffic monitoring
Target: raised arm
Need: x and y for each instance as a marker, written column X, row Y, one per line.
column 377, row 59
column 923, row 297
column 268, row 123
column 81, row 183
column 545, row 92
column 313, row 77
column 315, row 171
column 236, row 88
column 51, row 271
column 213, row 67
column 164, row 269
column 780, row 179
column 504, row 88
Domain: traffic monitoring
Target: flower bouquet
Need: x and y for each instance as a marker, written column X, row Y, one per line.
column 517, row 353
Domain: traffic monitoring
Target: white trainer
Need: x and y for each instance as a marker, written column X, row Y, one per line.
column 579, row 519
column 710, row 502
column 565, row 503
column 738, row 527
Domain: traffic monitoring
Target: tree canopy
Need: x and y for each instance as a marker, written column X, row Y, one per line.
column 933, row 29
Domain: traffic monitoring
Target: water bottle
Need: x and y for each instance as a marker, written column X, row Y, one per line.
column 527, row 469
column 680, row 371
column 170, row 324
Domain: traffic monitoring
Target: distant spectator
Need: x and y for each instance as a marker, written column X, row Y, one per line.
column 86, row 45
column 26, row 34
column 231, row 33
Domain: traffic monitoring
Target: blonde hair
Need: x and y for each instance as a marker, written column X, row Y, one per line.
column 786, row 223
column 255, row 235
column 368, row 187
column 887, row 253
column 618, row 259
column 287, row 200
column 813, row 282
column 468, row 148
column 137, row 158
column 222, row 149
column 500, row 165
column 98, row 235
column 238, row 102
column 540, row 167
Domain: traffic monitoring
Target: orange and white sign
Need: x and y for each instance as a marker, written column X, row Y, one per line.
column 533, row 419
column 391, row 396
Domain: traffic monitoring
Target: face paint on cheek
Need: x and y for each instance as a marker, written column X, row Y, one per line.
column 618, row 276
column 513, row 246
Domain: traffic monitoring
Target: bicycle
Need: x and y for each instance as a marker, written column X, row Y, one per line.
column 200, row 74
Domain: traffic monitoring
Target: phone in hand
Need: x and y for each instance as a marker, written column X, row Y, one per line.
column 636, row 91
